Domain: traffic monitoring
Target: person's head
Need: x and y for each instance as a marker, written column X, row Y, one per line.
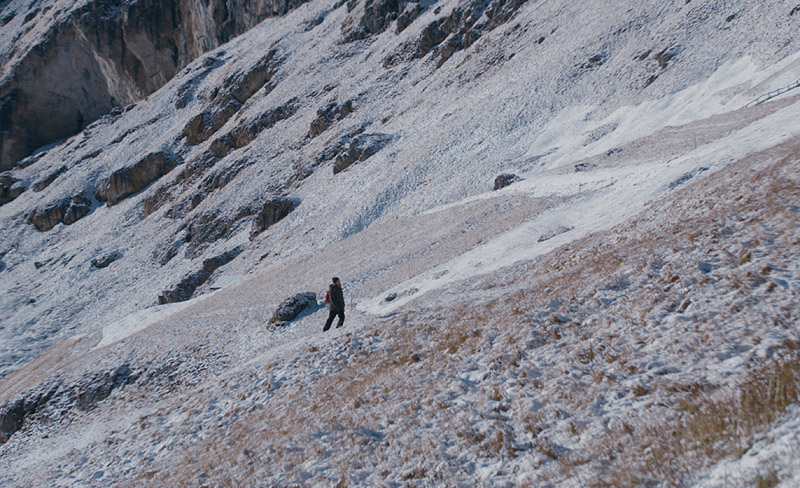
column 336, row 281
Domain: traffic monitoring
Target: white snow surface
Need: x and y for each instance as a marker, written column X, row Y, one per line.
column 219, row 398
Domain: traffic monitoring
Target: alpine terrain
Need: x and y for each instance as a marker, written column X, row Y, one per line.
column 568, row 236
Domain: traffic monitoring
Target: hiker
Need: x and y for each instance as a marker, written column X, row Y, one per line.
column 335, row 299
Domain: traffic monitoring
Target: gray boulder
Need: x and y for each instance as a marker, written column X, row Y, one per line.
column 505, row 180
column 292, row 307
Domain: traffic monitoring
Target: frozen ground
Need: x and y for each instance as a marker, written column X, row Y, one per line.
column 574, row 329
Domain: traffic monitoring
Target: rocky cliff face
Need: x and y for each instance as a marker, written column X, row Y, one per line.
column 74, row 63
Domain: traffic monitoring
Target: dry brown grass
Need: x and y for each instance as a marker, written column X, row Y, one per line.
column 704, row 424
column 702, row 428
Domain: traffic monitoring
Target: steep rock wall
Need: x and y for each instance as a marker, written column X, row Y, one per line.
column 103, row 54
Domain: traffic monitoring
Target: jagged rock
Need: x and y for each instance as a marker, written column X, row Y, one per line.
column 46, row 181
column 236, row 90
column 327, row 115
column 205, row 229
column 92, row 56
column 271, row 212
column 14, row 413
column 84, row 393
column 10, row 188
column 245, row 133
column 185, row 289
column 205, row 124
column 66, row 211
column 133, row 179
column 106, row 260
column 457, row 31
column 408, row 16
column 376, row 18
column 243, row 85
column 505, row 180
column 292, row 307
column 361, row 148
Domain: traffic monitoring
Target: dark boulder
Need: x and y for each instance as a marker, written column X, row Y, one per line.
column 292, row 307
column 505, row 180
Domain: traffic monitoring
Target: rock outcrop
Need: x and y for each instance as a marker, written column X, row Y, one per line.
column 377, row 15
column 10, row 188
column 65, row 211
column 361, row 148
column 135, row 178
column 84, row 393
column 236, row 90
column 105, row 260
column 185, row 289
column 271, row 212
column 329, row 114
column 86, row 60
column 457, row 31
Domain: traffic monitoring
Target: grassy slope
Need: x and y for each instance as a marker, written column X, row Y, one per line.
column 604, row 363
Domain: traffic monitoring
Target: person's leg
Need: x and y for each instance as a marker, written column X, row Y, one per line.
column 340, row 313
column 330, row 320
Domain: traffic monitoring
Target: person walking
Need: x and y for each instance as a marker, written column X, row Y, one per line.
column 335, row 299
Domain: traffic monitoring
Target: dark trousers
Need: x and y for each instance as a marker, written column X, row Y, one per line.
column 333, row 314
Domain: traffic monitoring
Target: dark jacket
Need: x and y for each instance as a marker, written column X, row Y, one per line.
column 336, row 297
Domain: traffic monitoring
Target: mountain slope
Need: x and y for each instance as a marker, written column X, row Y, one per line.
column 363, row 140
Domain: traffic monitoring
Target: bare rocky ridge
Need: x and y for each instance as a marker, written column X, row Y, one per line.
column 99, row 55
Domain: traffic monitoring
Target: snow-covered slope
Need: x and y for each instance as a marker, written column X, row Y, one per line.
column 534, row 334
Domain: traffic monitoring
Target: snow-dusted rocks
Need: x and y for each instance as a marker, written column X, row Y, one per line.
column 271, row 212
column 134, row 178
column 10, row 188
column 185, row 289
column 105, row 260
column 361, row 148
column 328, row 115
column 293, row 306
column 504, row 180
column 65, row 210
